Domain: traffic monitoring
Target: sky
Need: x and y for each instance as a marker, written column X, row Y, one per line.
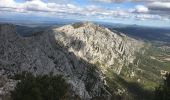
column 140, row 12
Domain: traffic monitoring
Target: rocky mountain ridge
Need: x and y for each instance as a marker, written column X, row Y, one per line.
column 82, row 52
column 99, row 45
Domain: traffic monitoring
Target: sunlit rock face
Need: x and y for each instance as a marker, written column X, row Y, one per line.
column 98, row 45
column 75, row 51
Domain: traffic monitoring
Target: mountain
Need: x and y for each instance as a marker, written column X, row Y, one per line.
column 84, row 53
column 146, row 33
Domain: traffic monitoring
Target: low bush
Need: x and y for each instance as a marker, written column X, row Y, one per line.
column 42, row 87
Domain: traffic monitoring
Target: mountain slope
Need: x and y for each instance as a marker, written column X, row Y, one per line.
column 98, row 45
column 82, row 52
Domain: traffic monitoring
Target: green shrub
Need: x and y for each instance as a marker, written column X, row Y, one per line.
column 163, row 91
column 78, row 25
column 46, row 87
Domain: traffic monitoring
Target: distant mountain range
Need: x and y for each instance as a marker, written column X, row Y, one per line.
column 141, row 32
column 146, row 33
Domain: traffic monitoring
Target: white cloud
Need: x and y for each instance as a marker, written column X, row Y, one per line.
column 108, row 1
column 147, row 16
column 140, row 12
column 141, row 9
column 118, row 1
column 7, row 3
column 36, row 5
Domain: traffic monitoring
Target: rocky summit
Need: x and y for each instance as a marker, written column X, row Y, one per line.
column 81, row 52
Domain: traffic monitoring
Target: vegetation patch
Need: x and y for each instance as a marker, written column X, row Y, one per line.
column 140, row 78
column 78, row 25
column 41, row 87
column 163, row 91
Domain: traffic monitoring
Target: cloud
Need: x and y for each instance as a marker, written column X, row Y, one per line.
column 119, row 1
column 66, row 10
column 35, row 6
column 108, row 1
column 148, row 0
column 148, row 17
column 159, row 6
column 7, row 3
column 141, row 9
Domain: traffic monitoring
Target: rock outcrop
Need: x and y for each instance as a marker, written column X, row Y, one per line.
column 98, row 45
column 82, row 52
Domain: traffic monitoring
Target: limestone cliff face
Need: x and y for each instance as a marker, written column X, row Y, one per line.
column 72, row 50
column 98, row 45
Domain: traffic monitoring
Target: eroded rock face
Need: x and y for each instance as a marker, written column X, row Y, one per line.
column 98, row 45
column 6, row 85
column 75, row 51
